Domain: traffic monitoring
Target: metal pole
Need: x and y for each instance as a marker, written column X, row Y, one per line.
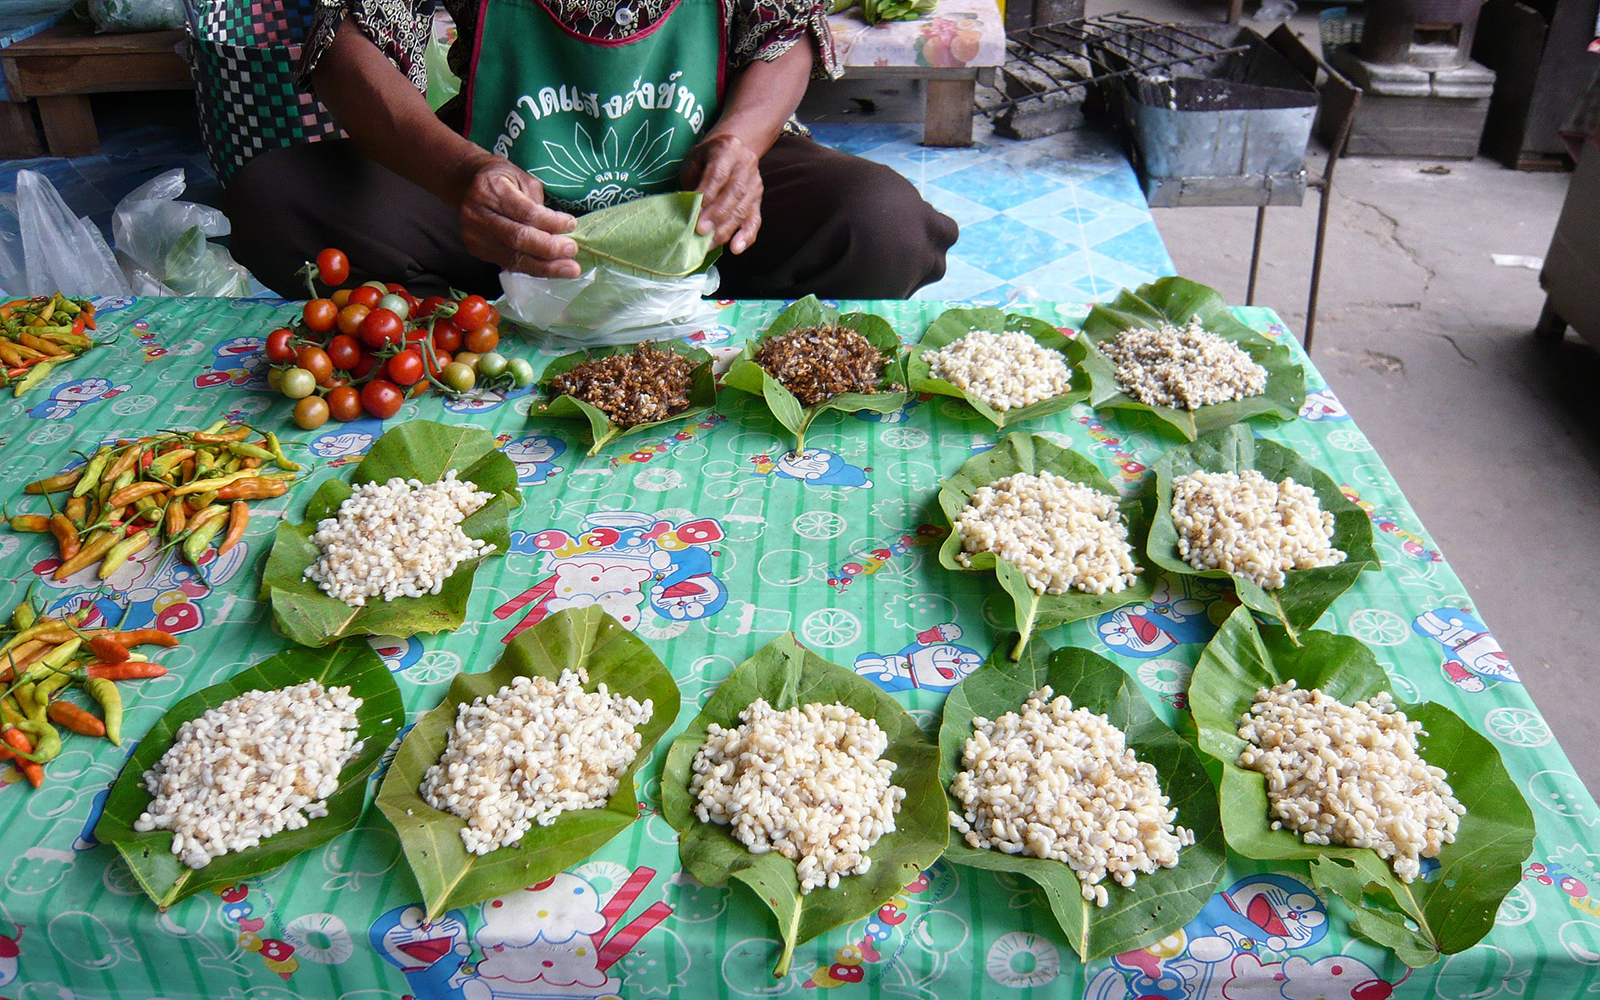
column 1255, row 254
column 1324, row 190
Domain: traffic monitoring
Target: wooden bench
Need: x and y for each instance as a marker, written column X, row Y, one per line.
column 57, row 69
column 947, row 51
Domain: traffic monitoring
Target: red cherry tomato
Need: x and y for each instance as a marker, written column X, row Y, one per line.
column 405, row 368
column 279, row 350
column 440, row 359
column 494, row 316
column 315, row 360
column 367, row 296
column 472, row 312
column 350, row 318
column 364, row 367
column 447, row 336
column 381, row 327
column 344, row 351
column 427, row 306
column 382, row 398
column 482, row 340
column 333, row 266
column 320, row 315
column 344, row 403
column 395, row 287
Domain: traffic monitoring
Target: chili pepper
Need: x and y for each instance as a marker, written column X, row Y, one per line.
column 18, row 659
column 135, row 493
column 57, row 659
column 68, row 306
column 206, row 485
column 20, row 743
column 143, row 637
column 236, row 433
column 75, row 719
column 246, row 450
column 123, row 671
column 8, row 353
column 91, row 473
column 66, row 535
column 34, row 523
column 108, row 649
column 176, row 518
column 202, row 528
column 23, row 693
column 200, row 501
column 93, row 550
column 49, row 308
column 54, row 484
column 35, row 375
column 164, row 465
column 238, row 518
column 23, row 615
column 204, row 461
column 47, row 686
column 77, row 509
column 253, row 489
column 124, row 464
column 10, row 713
column 105, row 692
column 134, row 543
column 276, row 447
column 46, row 741
column 41, row 345
column 215, row 426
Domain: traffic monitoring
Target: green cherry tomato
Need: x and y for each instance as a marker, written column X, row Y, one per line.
column 491, row 364
column 395, row 304
column 275, row 379
column 458, row 376
column 521, row 372
column 468, row 358
column 298, row 383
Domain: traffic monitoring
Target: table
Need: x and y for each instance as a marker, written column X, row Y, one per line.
column 838, row 547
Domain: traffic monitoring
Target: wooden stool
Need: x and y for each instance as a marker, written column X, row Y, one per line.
column 57, row 70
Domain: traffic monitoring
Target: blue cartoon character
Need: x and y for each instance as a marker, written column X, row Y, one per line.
column 815, row 467
column 431, row 955
column 684, row 587
column 347, row 442
column 86, row 840
column 534, row 456
column 1171, row 618
column 1473, row 657
column 1322, row 405
column 933, row 662
column 68, row 398
column 396, row 653
column 240, row 362
column 710, row 336
column 164, row 593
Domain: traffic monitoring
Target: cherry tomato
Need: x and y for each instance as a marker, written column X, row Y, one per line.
column 350, row 318
column 315, row 360
column 367, row 296
column 297, row 383
column 494, row 316
column 279, row 350
column 395, row 286
column 472, row 312
column 320, row 315
column 382, row 398
column 482, row 340
column 447, row 336
column 381, row 327
column 491, row 364
column 467, row 358
column 311, row 412
column 458, row 376
column 396, row 304
column 344, row 351
column 365, row 366
column 427, row 306
column 521, row 372
column 344, row 403
column 440, row 360
column 341, row 298
column 333, row 266
column 405, row 368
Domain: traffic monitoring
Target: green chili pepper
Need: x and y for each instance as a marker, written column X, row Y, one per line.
column 278, row 456
column 214, row 428
column 246, row 450
column 49, row 686
column 91, row 474
column 35, row 375
column 200, row 538
column 204, row 461
column 166, row 463
column 121, row 551
column 105, row 692
column 11, row 714
column 46, row 741
column 125, row 479
column 23, row 614
column 24, row 695
column 67, row 306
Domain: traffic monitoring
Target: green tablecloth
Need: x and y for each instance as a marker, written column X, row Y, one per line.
column 710, row 542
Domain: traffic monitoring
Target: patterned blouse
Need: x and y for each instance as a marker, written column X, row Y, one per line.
column 756, row 30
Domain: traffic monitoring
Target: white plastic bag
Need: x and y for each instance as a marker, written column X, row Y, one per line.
column 136, row 15
column 603, row 307
column 161, row 243
column 61, row 252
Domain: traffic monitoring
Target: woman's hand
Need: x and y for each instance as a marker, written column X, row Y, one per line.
column 504, row 221
column 723, row 169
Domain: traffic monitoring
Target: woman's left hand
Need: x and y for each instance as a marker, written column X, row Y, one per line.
column 724, row 170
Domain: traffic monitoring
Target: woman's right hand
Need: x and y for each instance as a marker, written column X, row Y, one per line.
column 504, row 221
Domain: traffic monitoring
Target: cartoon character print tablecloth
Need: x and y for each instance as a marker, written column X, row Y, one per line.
column 708, row 540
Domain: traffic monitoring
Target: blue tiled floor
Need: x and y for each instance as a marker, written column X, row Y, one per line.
column 1055, row 218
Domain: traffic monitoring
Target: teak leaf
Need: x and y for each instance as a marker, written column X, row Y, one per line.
column 1175, row 301
column 1157, row 904
column 448, row 874
column 954, row 324
column 417, row 449
column 747, row 376
column 788, row 676
column 603, row 430
column 163, row 877
column 1306, row 593
column 653, row 237
column 1019, row 452
column 1452, row 907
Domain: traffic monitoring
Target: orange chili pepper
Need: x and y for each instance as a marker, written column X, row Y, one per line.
column 238, row 518
column 108, row 649
column 30, row 769
column 253, row 489
column 66, row 534
column 65, row 713
column 143, row 637
column 124, row 671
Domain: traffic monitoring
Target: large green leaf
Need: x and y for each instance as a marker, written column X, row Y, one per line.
column 747, row 376
column 953, row 324
column 417, row 449
column 149, row 855
column 788, row 676
column 1019, row 452
column 1157, row 904
column 651, row 237
column 1451, row 908
column 1175, row 301
column 603, row 430
column 1306, row 593
column 448, row 874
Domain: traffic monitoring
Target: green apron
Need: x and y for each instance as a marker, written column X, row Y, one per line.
column 597, row 121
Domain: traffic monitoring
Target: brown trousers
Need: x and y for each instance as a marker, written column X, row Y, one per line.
column 832, row 224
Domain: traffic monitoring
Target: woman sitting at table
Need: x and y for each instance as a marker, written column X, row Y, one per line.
column 568, row 106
